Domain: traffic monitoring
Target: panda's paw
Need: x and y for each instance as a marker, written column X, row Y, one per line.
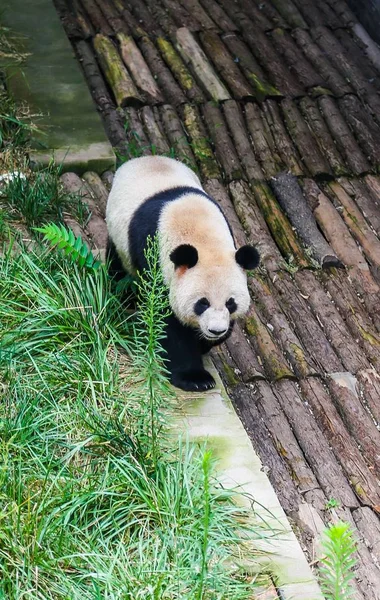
column 193, row 380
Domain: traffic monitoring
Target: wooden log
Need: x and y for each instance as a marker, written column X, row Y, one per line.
column 132, row 25
column 342, row 136
column 304, row 140
column 365, row 199
column 306, row 327
column 83, row 20
column 292, row 201
column 152, row 126
column 244, row 401
column 176, row 135
column 365, row 128
column 142, row 17
column 162, row 17
column 198, row 141
column 197, row 10
column 270, row 312
column 118, row 78
column 225, row 366
column 271, row 14
column 369, row 526
column 139, row 70
column 69, row 21
column 266, row 55
column 224, row 147
column 179, row 70
column 251, row 69
column 326, row 143
column 285, row 441
column 352, row 357
column 370, row 47
column 279, row 225
column 112, row 15
column 344, row 391
column 357, row 224
column 316, row 13
column 355, row 50
column 99, row 191
column 352, row 309
column 165, row 79
column 313, row 444
column 331, row 46
column 255, row 14
column 262, row 139
column 346, row 451
column 295, row 60
column 107, row 179
column 244, row 356
column 345, row 15
column 181, row 16
column 269, row 355
column 224, row 64
column 112, row 119
column 234, row 118
column 95, row 228
column 290, row 12
column 254, row 225
column 218, row 15
column 98, row 20
column 317, row 57
column 138, row 143
column 219, row 193
column 285, row 147
column 193, row 54
column 369, row 388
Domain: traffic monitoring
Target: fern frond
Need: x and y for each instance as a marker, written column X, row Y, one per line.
column 336, row 572
column 73, row 247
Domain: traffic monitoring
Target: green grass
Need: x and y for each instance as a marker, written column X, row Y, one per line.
column 96, row 501
column 336, row 568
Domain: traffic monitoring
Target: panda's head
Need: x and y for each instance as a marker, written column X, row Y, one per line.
column 208, row 292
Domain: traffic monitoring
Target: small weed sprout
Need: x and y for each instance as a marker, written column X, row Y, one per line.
column 336, row 572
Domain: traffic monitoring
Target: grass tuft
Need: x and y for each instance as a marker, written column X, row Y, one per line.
column 336, row 569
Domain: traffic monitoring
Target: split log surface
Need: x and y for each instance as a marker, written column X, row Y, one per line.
column 119, row 80
column 234, row 118
column 285, row 147
column 137, row 66
column 304, row 140
column 369, row 525
column 296, row 61
column 306, row 327
column 369, row 385
column 193, row 54
column 165, row 79
column 199, row 144
column 292, row 201
column 176, row 135
column 224, row 147
column 314, row 445
column 263, row 142
column 112, row 119
column 350, row 353
column 345, row 449
column 254, row 225
column 343, row 137
column 224, row 64
column 180, row 71
column 322, row 135
column 317, row 57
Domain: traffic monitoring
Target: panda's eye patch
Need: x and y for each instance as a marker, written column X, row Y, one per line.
column 201, row 305
column 231, row 305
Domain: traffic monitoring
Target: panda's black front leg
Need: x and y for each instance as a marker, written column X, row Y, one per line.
column 184, row 358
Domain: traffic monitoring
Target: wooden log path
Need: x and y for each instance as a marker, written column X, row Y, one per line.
column 276, row 105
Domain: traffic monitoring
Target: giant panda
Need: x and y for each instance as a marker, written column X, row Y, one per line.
column 201, row 267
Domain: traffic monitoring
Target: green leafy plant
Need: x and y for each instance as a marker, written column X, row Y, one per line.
column 336, row 567
column 73, row 247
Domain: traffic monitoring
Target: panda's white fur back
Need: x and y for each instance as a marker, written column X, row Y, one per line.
column 191, row 218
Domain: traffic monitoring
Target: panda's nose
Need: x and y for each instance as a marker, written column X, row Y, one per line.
column 218, row 333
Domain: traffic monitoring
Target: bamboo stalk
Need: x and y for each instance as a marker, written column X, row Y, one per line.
column 116, row 74
column 192, row 53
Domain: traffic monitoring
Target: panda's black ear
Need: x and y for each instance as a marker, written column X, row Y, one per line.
column 247, row 257
column 184, row 255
